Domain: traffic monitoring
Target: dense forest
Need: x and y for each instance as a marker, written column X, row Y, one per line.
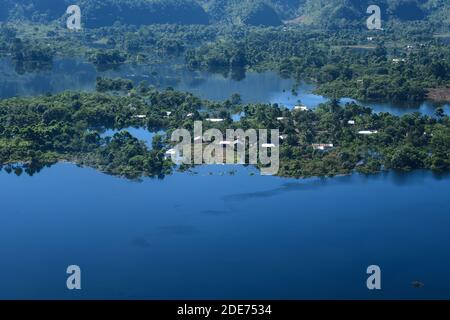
column 40, row 131
column 406, row 62
column 322, row 42
column 342, row 67
column 331, row 13
column 98, row 13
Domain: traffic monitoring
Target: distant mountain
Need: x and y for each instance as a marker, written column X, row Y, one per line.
column 322, row 11
column 33, row 9
column 250, row 12
column 99, row 13
column 439, row 10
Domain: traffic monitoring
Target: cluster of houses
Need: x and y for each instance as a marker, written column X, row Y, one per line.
column 144, row 116
column 323, row 147
column 173, row 152
column 302, row 108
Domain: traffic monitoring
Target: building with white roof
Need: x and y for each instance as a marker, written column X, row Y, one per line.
column 301, row 108
column 215, row 120
column 367, row 132
column 322, row 146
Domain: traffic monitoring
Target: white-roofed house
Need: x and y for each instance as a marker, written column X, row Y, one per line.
column 322, row 146
column 301, row 108
column 170, row 153
column 367, row 132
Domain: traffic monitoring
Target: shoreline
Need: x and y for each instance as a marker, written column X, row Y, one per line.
column 284, row 177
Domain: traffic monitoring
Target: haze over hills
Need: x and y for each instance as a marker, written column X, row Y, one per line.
column 315, row 11
column 99, row 13
column 251, row 12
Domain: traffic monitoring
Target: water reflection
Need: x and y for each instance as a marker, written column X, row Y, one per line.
column 305, row 234
column 267, row 87
column 139, row 133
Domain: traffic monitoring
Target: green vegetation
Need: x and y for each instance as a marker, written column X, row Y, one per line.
column 402, row 143
column 117, row 85
column 44, row 130
column 248, row 12
column 25, row 55
column 35, row 132
column 105, row 60
column 100, row 13
column 328, row 13
column 324, row 42
column 398, row 64
column 388, row 67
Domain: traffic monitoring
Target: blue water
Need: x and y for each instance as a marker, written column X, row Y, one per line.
column 267, row 87
column 139, row 133
column 212, row 234
column 311, row 100
column 217, row 234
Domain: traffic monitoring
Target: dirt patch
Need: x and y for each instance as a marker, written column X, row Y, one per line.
column 439, row 94
column 297, row 20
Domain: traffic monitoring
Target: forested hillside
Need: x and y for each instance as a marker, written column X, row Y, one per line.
column 99, row 13
column 251, row 12
column 335, row 11
column 106, row 12
column 324, row 12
